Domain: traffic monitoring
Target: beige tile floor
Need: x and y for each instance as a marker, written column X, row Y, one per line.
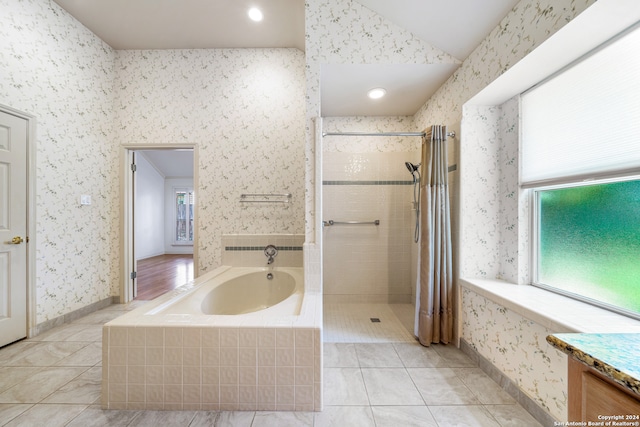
column 55, row 379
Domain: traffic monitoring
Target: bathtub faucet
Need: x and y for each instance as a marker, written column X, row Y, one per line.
column 270, row 252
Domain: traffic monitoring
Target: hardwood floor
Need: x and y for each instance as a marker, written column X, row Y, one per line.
column 163, row 273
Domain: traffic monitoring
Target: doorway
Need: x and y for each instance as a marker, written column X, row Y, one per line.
column 160, row 215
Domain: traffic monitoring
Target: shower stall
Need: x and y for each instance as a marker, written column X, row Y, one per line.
column 370, row 210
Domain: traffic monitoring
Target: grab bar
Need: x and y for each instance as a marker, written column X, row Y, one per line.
column 332, row 222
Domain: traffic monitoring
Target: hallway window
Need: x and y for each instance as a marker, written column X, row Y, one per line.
column 184, row 216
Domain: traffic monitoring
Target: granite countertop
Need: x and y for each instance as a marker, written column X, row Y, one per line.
column 615, row 355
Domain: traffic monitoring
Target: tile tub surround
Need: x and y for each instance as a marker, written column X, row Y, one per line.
column 614, row 355
column 247, row 250
column 199, row 362
column 210, row 368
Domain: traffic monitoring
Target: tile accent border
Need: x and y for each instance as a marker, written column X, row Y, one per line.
column 536, row 411
column 451, row 168
column 246, row 250
column 261, row 248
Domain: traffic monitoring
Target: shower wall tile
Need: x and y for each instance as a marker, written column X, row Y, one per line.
column 367, row 262
column 369, row 166
column 312, row 260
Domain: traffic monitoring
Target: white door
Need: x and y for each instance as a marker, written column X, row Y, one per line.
column 13, row 228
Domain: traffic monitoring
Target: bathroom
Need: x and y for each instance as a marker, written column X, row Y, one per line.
column 89, row 99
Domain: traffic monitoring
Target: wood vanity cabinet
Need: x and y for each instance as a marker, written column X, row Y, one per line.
column 591, row 395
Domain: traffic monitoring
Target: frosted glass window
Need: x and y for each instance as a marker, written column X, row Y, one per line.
column 589, row 242
column 585, row 121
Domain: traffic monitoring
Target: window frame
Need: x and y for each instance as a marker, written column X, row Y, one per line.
column 174, row 237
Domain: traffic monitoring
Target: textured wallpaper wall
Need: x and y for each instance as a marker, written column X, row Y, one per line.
column 58, row 71
column 530, row 23
column 518, row 347
column 244, row 108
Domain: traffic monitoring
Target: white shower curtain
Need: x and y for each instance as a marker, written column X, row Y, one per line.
column 435, row 285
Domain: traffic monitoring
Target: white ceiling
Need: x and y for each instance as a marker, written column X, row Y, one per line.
column 454, row 26
column 190, row 24
column 171, row 163
column 344, row 88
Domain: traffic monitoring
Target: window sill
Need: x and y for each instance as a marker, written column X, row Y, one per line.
column 182, row 244
column 553, row 311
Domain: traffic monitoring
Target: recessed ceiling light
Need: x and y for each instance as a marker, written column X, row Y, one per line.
column 255, row 14
column 376, row 93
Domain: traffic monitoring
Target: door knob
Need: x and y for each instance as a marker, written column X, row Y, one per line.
column 17, row 240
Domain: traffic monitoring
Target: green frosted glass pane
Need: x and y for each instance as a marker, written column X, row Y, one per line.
column 590, row 242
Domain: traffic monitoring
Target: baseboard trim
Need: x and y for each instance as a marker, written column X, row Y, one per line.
column 530, row 405
column 73, row 315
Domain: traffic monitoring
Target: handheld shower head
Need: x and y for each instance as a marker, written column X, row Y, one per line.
column 412, row 168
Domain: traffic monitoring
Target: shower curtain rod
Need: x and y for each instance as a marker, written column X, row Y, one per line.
column 450, row 134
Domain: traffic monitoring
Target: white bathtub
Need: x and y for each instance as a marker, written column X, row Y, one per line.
column 230, row 340
column 238, row 291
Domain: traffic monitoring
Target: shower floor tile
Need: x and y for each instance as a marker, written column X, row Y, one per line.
column 351, row 322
